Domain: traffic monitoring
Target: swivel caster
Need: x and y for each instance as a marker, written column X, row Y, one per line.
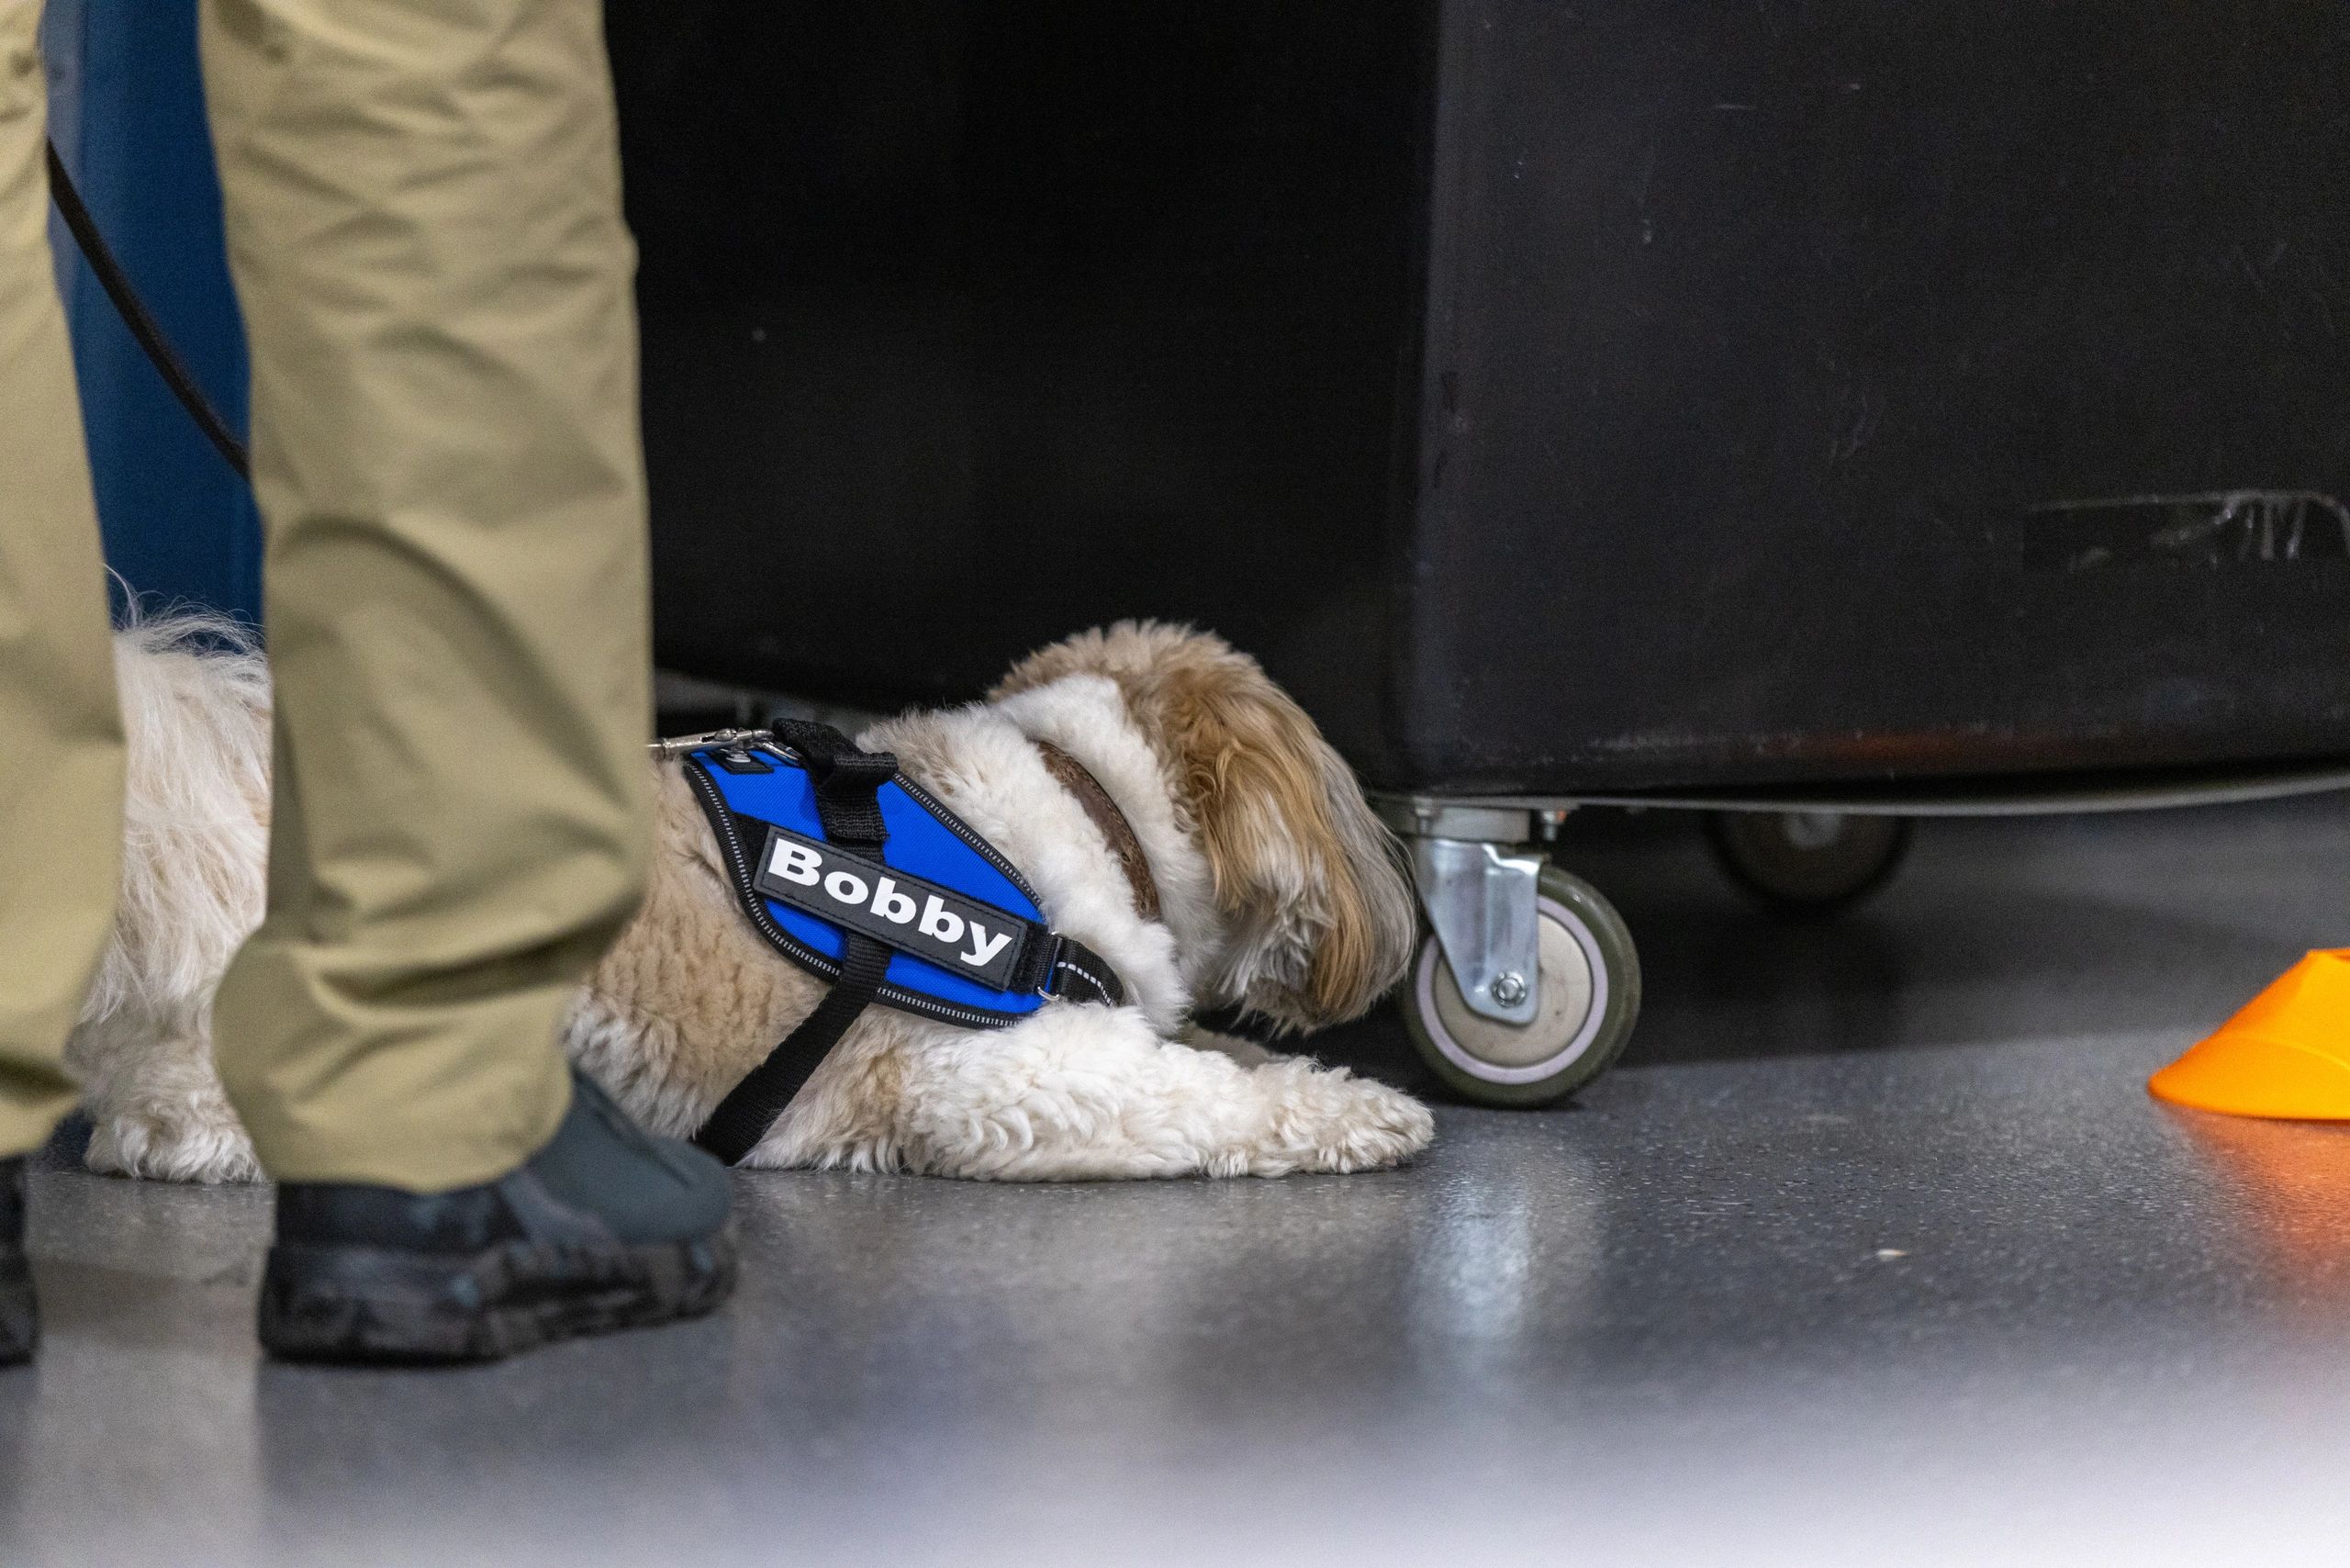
column 1804, row 863
column 1553, row 985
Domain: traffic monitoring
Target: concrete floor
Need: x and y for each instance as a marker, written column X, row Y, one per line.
column 1874, row 1252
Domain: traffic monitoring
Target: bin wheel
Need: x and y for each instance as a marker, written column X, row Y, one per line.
column 1808, row 862
column 1590, row 998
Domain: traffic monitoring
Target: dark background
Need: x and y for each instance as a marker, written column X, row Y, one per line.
column 1557, row 397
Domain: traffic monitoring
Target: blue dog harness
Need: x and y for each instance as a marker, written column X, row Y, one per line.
column 861, row 876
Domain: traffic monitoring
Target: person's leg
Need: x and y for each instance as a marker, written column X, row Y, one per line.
column 424, row 227
column 60, row 738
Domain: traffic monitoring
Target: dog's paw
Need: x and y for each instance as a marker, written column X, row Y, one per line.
column 1328, row 1120
column 195, row 1146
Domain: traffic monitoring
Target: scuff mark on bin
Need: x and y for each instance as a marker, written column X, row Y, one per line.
column 1858, row 408
column 2218, row 528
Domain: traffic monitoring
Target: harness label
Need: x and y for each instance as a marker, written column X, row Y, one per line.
column 938, row 925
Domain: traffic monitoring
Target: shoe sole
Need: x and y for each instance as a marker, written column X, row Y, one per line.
column 19, row 1320
column 368, row 1304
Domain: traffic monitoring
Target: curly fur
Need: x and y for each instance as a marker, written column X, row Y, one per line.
column 195, row 697
column 1279, row 891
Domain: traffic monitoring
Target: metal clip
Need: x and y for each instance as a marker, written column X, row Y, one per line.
column 686, row 746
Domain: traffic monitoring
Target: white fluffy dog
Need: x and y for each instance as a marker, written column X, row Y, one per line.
column 1276, row 889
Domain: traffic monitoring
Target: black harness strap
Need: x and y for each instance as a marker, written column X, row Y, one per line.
column 1076, row 971
column 752, row 1106
column 848, row 782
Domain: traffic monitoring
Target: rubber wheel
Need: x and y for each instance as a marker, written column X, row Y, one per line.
column 1590, row 999
column 1807, row 862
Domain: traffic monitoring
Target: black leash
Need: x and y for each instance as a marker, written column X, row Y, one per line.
column 141, row 321
column 848, row 783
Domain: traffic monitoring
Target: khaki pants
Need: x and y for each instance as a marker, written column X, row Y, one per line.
column 424, row 227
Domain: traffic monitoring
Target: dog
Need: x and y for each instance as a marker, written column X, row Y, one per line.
column 1273, row 888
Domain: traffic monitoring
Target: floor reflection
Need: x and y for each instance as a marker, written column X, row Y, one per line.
column 2292, row 1180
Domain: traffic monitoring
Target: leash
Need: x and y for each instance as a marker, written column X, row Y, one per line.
column 147, row 331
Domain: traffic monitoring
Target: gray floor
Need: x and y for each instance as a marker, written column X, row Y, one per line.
column 1874, row 1252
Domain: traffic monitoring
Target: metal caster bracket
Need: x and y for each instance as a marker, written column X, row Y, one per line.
column 1480, row 901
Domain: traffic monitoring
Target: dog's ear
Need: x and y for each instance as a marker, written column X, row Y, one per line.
column 1317, row 919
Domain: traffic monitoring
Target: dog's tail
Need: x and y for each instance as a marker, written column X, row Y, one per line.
column 195, row 695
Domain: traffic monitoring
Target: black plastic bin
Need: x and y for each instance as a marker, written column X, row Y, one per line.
column 1852, row 407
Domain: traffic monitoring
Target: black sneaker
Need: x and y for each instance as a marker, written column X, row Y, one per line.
column 19, row 1322
column 606, row 1227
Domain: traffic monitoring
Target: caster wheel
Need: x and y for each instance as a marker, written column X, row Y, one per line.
column 1590, row 999
column 1808, row 862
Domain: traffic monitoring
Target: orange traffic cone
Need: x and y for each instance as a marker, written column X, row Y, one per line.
column 2286, row 1055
